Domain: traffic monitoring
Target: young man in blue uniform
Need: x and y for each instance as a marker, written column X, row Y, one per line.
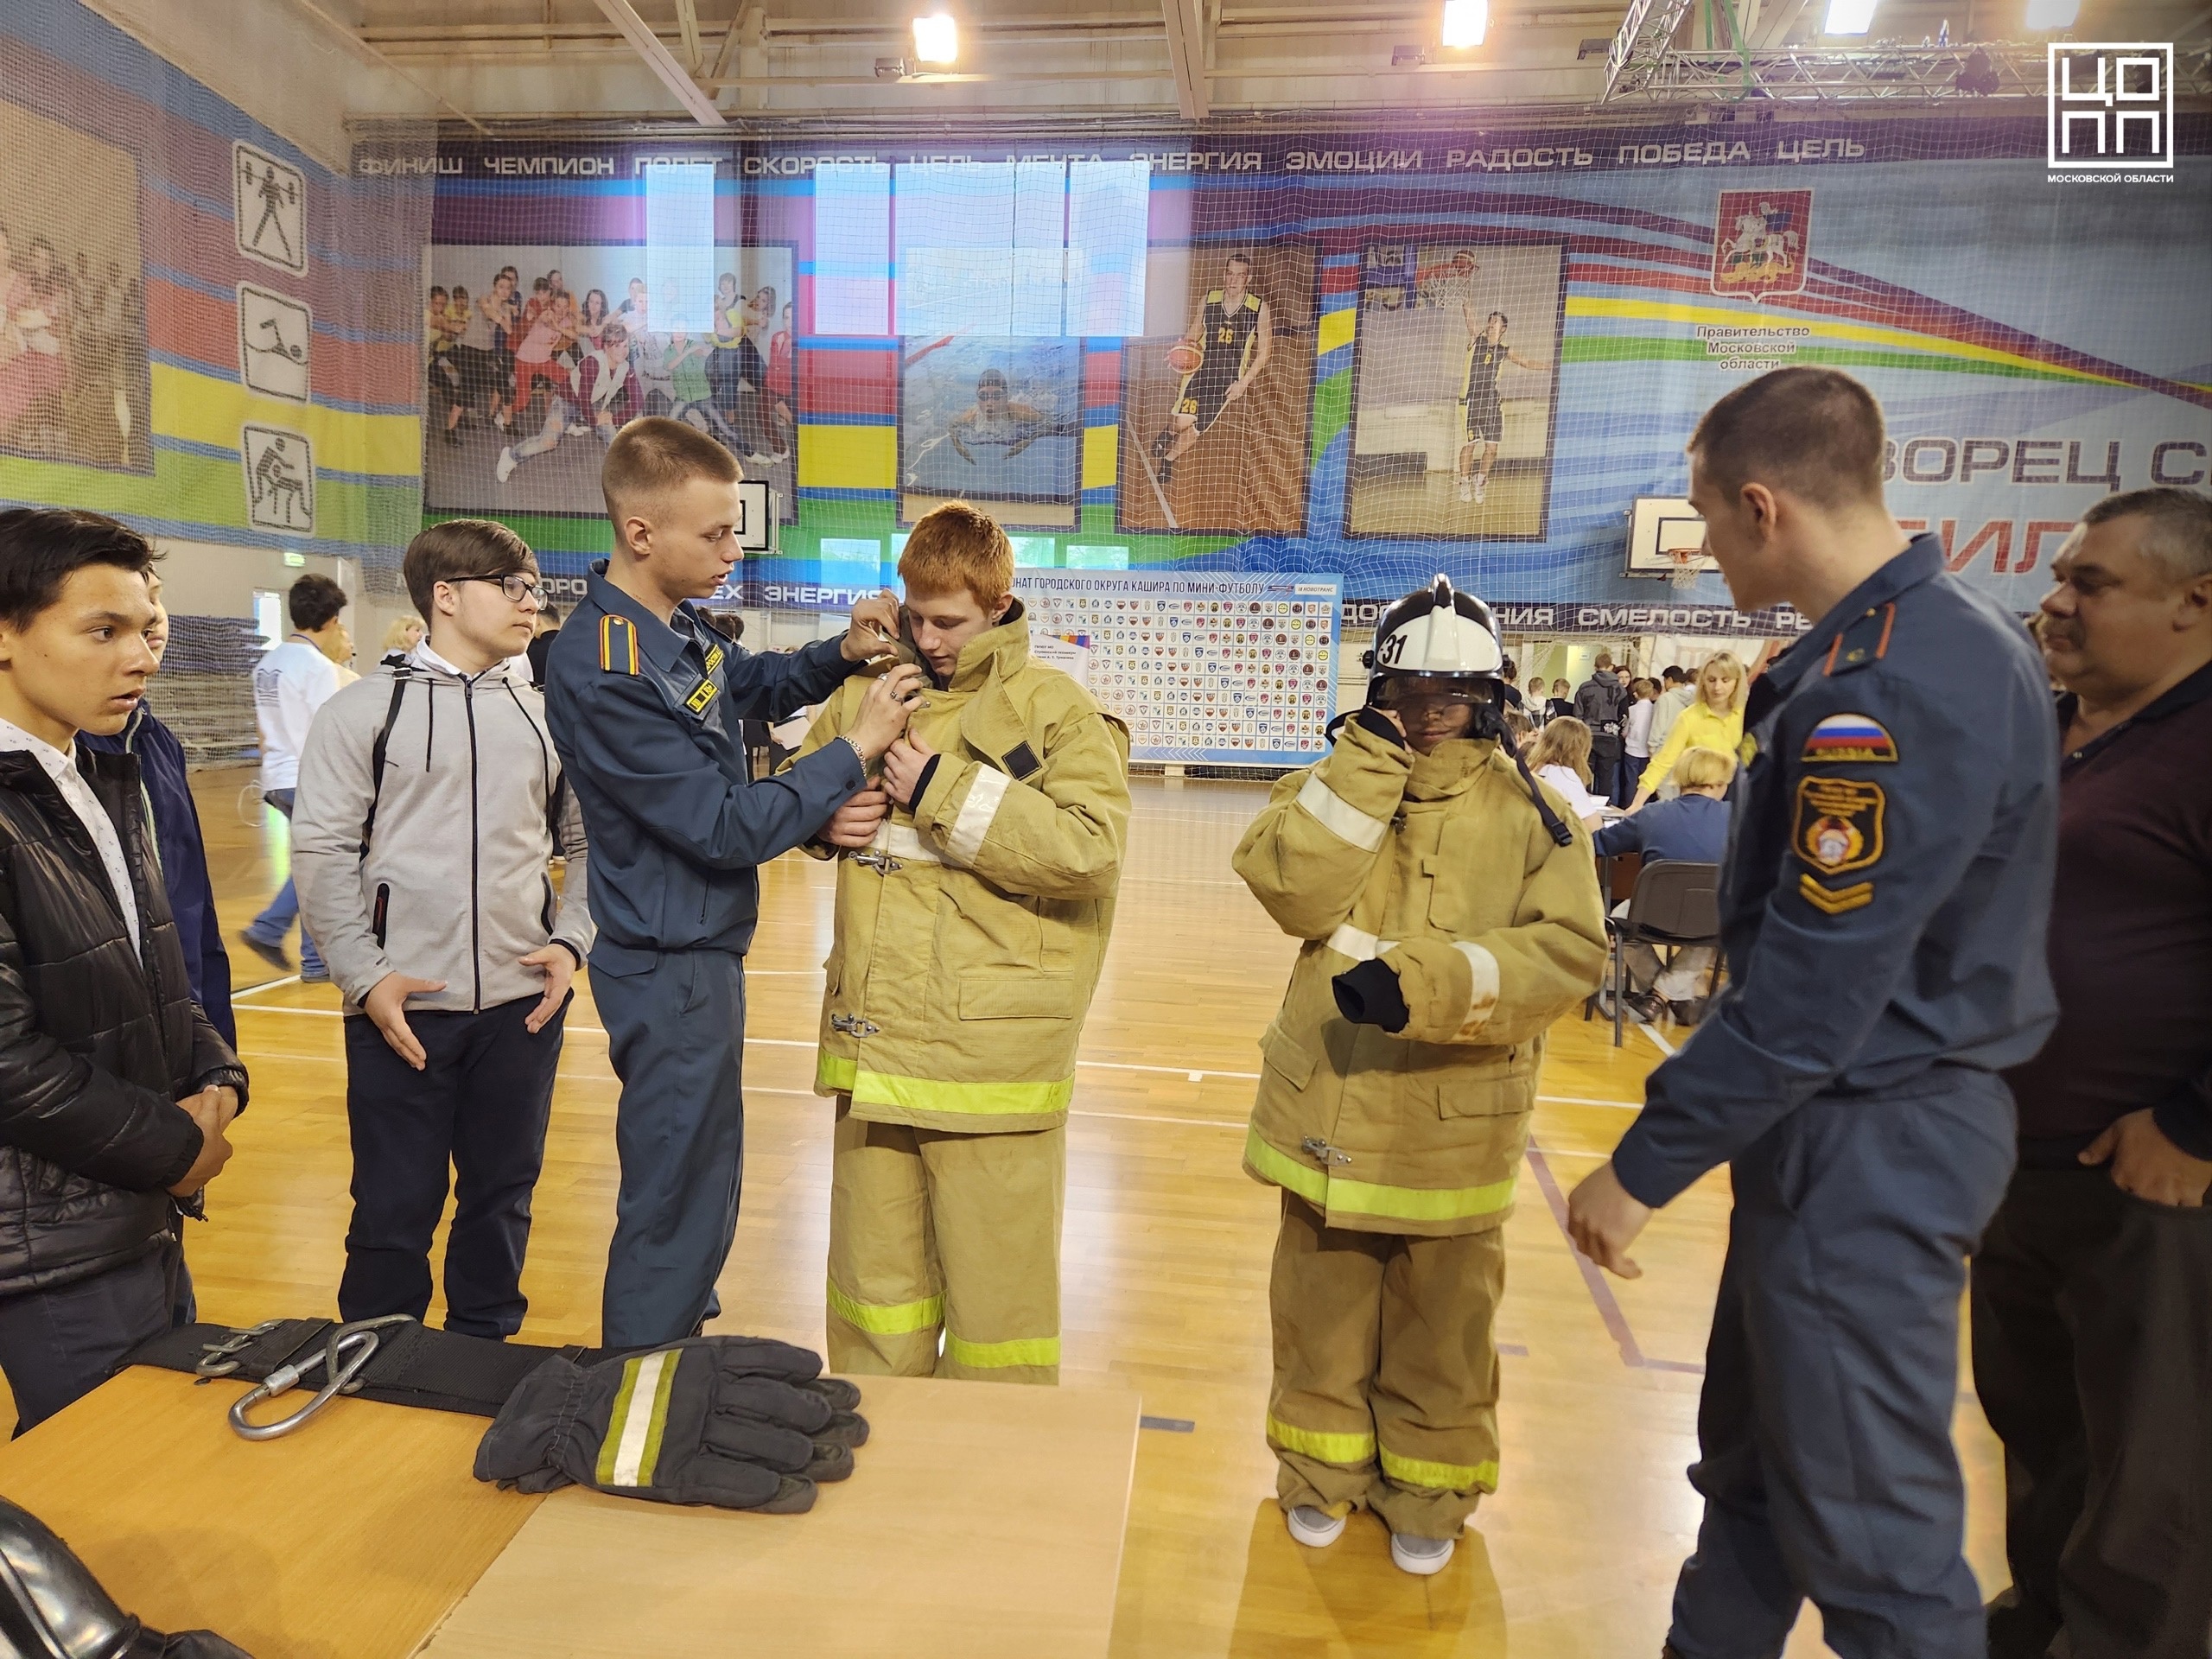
column 1883, row 911
column 644, row 699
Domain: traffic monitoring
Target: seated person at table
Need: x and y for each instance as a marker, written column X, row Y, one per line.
column 1693, row 827
column 1561, row 756
column 114, row 1090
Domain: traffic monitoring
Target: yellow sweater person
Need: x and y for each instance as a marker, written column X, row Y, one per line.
column 1449, row 914
column 974, row 900
column 1715, row 721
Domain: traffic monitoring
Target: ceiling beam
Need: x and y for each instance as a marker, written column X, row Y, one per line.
column 687, row 24
column 368, row 53
column 1187, row 53
column 673, row 75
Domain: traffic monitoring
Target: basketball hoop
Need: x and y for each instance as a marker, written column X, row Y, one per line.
column 1685, row 571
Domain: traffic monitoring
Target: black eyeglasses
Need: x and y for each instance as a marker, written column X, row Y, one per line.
column 516, row 587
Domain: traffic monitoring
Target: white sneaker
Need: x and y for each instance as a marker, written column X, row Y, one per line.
column 1480, row 485
column 1316, row 1528
column 505, row 469
column 1420, row 1555
column 1466, row 489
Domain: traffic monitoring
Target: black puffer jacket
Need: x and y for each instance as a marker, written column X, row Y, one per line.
column 98, row 1043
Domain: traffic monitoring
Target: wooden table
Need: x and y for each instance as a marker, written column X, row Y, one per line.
column 350, row 1540
column 983, row 1519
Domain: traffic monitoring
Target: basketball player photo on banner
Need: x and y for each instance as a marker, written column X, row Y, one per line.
column 1214, row 417
column 996, row 422
column 534, row 356
column 1454, row 390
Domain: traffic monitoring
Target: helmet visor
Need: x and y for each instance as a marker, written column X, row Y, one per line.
column 1407, row 690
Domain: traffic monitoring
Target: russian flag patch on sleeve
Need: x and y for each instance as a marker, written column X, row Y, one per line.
column 1849, row 737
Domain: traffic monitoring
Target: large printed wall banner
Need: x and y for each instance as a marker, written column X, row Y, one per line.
column 1435, row 351
column 202, row 331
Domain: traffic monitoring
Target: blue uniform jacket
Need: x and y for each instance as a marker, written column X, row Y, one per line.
column 1888, row 874
column 163, row 773
column 1690, row 827
column 645, row 717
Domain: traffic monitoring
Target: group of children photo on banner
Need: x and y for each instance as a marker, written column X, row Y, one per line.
column 553, row 364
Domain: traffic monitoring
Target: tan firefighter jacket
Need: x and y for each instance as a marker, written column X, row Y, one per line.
column 968, row 936
column 1440, row 865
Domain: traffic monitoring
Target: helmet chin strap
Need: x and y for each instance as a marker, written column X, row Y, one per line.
column 1489, row 722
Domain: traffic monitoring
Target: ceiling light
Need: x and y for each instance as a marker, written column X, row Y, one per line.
column 1849, row 17
column 936, row 40
column 2053, row 14
column 1465, row 22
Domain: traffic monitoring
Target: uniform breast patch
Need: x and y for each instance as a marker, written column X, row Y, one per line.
column 1839, row 826
column 704, row 693
column 1849, row 737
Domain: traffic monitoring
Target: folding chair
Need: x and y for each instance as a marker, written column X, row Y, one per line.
column 1675, row 904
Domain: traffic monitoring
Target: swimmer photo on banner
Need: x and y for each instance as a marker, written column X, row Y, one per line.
column 1215, row 413
column 996, row 422
column 534, row 356
column 1454, row 390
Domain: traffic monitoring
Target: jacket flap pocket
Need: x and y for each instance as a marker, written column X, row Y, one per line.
column 1288, row 1057
column 1502, row 1082
column 1016, row 997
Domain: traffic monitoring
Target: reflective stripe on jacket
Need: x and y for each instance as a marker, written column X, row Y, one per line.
column 968, row 939
column 1438, row 865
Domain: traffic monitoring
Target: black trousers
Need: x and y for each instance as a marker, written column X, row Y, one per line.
column 480, row 1105
column 57, row 1345
column 2092, row 1357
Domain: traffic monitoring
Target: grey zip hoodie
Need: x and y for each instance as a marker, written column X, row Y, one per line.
column 449, row 880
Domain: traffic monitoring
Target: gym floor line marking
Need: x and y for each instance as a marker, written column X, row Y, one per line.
column 1184, row 1073
column 1664, row 1045
column 1593, row 1276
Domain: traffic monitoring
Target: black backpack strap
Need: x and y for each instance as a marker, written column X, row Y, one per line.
column 375, row 756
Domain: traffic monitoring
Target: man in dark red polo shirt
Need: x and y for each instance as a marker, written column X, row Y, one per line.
column 2093, row 1289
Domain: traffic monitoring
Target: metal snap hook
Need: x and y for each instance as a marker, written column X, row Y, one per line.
column 344, row 1355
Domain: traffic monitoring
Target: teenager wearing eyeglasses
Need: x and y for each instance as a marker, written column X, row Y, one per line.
column 430, row 797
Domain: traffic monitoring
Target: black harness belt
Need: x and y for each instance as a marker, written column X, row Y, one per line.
column 410, row 1364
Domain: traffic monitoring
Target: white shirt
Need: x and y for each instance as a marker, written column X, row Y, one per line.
column 61, row 764
column 1577, row 794
column 289, row 684
column 1637, row 739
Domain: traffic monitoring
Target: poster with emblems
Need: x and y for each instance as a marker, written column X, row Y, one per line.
column 1213, row 669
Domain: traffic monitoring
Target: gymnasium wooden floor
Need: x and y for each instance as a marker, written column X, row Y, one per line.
column 1166, row 1265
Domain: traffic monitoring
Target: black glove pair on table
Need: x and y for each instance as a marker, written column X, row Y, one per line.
column 739, row 1422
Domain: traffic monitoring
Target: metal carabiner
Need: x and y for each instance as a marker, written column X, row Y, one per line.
column 359, row 1337
column 215, row 1357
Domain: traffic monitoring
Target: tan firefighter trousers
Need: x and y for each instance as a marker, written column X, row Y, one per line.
column 943, row 1235
column 1386, row 1370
